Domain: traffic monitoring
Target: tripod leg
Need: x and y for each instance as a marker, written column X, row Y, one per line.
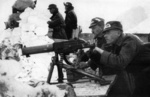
column 60, row 73
column 50, row 72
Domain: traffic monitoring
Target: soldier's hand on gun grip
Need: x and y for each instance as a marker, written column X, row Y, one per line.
column 94, row 55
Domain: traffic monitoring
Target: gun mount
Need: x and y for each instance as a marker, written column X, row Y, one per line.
column 63, row 48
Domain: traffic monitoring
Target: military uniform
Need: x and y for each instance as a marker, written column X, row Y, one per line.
column 117, row 59
column 57, row 23
column 70, row 20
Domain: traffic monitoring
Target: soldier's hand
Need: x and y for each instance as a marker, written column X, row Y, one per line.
column 48, row 22
column 82, row 65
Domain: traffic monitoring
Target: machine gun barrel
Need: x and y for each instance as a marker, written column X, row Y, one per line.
column 64, row 47
column 37, row 49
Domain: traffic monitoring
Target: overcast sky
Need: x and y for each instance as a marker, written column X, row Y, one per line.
column 85, row 9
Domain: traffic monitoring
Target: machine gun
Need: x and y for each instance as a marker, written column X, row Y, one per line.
column 63, row 48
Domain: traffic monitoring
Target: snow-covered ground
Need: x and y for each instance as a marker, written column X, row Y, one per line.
column 23, row 76
column 14, row 86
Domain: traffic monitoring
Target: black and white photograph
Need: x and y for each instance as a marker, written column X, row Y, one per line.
column 74, row 48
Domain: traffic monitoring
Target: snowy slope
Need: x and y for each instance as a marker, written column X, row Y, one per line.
column 18, row 76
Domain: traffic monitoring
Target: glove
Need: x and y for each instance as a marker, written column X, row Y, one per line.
column 93, row 65
column 95, row 56
column 83, row 56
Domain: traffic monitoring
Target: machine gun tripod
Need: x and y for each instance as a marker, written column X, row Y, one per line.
column 63, row 48
column 55, row 61
column 59, row 63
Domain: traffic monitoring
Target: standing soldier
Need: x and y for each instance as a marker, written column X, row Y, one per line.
column 70, row 20
column 57, row 23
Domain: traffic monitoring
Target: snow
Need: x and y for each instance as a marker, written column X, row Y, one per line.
column 8, row 71
column 11, row 70
column 19, row 76
column 90, row 89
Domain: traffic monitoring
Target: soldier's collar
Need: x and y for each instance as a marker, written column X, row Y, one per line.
column 120, row 39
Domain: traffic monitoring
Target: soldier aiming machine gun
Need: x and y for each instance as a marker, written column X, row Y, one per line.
column 63, row 49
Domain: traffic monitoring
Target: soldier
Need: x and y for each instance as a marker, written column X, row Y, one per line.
column 124, row 48
column 70, row 20
column 97, row 27
column 57, row 23
column 18, row 7
column 21, row 5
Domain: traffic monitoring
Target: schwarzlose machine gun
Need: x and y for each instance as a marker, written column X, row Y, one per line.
column 63, row 48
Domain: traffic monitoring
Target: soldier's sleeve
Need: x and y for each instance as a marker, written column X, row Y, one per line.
column 72, row 20
column 55, row 22
column 125, row 56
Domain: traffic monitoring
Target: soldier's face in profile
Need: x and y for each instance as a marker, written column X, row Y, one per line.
column 111, row 36
column 66, row 8
column 52, row 10
column 96, row 30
